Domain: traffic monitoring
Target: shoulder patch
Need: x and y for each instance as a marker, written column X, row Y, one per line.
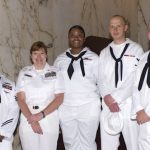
column 7, row 85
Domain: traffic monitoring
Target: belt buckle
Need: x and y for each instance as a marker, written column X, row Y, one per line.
column 35, row 107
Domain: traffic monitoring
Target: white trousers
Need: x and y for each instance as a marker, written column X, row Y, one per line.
column 130, row 130
column 6, row 144
column 79, row 125
column 34, row 141
column 144, row 136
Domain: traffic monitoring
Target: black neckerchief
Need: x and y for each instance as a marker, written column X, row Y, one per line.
column 70, row 68
column 145, row 69
column 117, row 62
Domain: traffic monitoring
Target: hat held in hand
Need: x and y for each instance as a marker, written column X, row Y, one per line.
column 113, row 123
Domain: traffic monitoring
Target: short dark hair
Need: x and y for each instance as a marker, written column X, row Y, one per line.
column 37, row 45
column 77, row 27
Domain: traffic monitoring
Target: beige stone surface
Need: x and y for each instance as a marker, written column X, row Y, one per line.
column 23, row 22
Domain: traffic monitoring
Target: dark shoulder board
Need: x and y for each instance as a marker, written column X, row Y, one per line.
column 27, row 75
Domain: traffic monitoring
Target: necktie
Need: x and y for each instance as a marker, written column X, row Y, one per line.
column 117, row 62
column 146, row 67
column 70, row 68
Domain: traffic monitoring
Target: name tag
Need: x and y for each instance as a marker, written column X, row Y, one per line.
column 28, row 75
column 50, row 75
column 129, row 55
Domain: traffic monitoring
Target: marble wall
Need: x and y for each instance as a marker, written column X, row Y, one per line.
column 23, row 22
column 26, row 21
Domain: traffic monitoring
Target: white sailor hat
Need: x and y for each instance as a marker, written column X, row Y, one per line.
column 113, row 123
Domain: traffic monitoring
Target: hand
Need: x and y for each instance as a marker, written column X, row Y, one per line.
column 114, row 107
column 36, row 128
column 110, row 102
column 35, row 118
column 1, row 138
column 142, row 117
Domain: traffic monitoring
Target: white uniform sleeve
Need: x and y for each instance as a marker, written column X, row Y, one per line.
column 59, row 85
column 122, row 93
column 95, row 72
column 95, row 68
column 136, row 105
column 56, row 63
column 20, row 82
column 10, row 114
column 104, row 90
column 125, row 90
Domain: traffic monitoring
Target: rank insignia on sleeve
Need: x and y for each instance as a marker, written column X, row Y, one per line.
column 16, row 98
column 7, row 86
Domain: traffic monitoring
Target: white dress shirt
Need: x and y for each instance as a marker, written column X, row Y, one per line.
column 9, row 110
column 79, row 89
column 40, row 87
column 107, row 70
column 141, row 99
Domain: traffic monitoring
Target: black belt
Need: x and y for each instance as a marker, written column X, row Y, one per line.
column 35, row 107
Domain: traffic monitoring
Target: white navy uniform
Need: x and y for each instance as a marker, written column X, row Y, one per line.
column 40, row 89
column 141, row 100
column 80, row 111
column 9, row 112
column 121, row 91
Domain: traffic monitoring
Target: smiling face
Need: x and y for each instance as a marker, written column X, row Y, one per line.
column 76, row 39
column 38, row 58
column 117, row 29
column 38, row 54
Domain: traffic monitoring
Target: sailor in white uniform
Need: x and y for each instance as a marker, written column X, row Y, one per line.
column 40, row 90
column 141, row 100
column 117, row 64
column 9, row 112
column 80, row 111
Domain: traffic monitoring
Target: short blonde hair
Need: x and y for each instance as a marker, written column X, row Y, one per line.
column 122, row 17
column 126, row 22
